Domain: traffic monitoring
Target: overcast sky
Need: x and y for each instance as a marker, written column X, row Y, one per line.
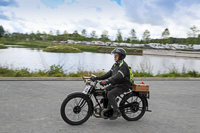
column 99, row 15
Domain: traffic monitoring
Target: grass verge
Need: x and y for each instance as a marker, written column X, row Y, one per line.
column 3, row 46
column 57, row 71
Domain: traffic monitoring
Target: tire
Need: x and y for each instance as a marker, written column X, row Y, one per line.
column 134, row 108
column 76, row 109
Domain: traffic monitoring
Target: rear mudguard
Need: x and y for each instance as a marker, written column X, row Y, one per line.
column 134, row 94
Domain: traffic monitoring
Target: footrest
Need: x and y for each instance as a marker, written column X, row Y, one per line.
column 149, row 110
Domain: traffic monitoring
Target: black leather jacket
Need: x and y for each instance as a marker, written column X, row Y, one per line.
column 119, row 75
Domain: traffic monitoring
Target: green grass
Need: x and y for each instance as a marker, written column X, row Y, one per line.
column 62, row 49
column 54, row 71
column 142, row 74
column 176, row 74
column 57, row 71
column 32, row 44
column 100, row 49
column 85, row 73
column 3, row 46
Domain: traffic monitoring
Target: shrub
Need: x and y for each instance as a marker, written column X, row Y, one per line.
column 193, row 73
column 54, row 70
column 22, row 73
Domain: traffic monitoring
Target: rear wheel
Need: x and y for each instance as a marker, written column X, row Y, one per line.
column 76, row 109
column 134, row 107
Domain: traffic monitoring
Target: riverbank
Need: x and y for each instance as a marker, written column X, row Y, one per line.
column 77, row 48
column 190, row 54
column 29, row 44
column 48, row 46
column 57, row 71
column 62, row 49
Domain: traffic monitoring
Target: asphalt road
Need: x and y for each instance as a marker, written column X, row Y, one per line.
column 34, row 107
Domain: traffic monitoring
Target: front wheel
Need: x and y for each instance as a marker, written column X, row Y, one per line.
column 76, row 109
column 133, row 107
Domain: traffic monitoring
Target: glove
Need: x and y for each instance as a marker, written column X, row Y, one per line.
column 93, row 78
column 104, row 82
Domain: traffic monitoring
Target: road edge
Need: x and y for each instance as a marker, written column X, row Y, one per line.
column 80, row 79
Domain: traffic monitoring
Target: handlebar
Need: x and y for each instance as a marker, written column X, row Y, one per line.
column 87, row 80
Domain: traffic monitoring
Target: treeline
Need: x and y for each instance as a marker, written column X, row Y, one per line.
column 193, row 36
column 171, row 40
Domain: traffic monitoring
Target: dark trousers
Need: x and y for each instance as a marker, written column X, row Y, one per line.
column 113, row 92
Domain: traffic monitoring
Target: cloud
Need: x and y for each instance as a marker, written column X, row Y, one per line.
column 55, row 3
column 156, row 12
column 186, row 15
column 4, row 17
column 8, row 3
column 148, row 11
column 98, row 9
column 71, row 15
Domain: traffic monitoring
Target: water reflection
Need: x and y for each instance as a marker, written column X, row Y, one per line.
column 35, row 59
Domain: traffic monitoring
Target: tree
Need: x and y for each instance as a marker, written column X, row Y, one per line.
column 44, row 35
column 104, row 36
column 7, row 34
column 133, row 37
column 128, row 40
column 193, row 32
column 199, row 39
column 65, row 35
column 57, row 32
column 65, row 32
column 2, row 31
column 38, row 35
column 84, row 33
column 51, row 36
column 75, row 35
column 119, row 36
column 146, row 36
column 32, row 36
column 93, row 34
column 50, row 33
column 165, row 33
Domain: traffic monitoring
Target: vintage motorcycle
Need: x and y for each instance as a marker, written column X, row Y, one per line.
column 79, row 106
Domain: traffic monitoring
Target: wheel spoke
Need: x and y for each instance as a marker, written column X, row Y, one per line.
column 76, row 109
column 75, row 102
column 135, row 110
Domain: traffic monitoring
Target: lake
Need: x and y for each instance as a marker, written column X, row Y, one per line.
column 34, row 59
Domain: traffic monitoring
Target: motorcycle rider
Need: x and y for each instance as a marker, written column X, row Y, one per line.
column 119, row 79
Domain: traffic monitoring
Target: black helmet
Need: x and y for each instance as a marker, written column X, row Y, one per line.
column 120, row 51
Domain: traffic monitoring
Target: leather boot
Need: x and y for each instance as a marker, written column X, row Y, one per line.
column 115, row 115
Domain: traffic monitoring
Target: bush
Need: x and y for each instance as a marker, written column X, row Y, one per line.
column 22, row 73
column 56, row 71
column 193, row 73
column 142, row 74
